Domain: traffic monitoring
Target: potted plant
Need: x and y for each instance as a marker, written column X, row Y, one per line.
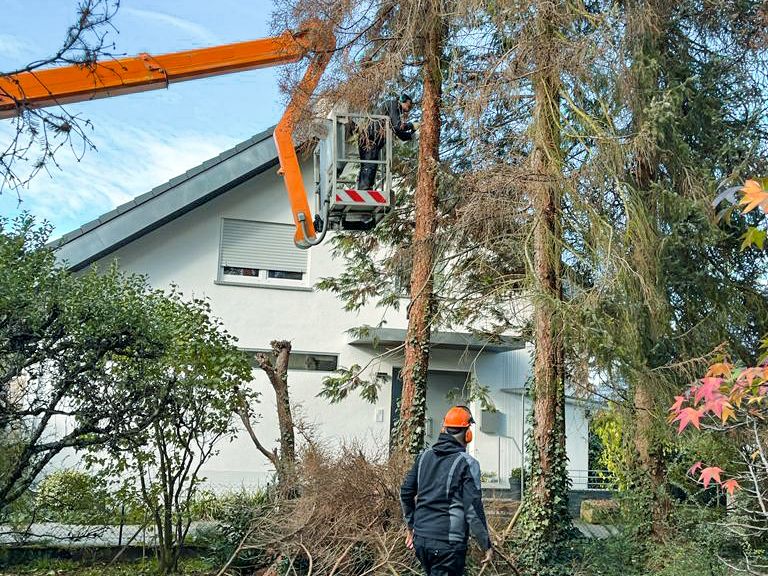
column 515, row 483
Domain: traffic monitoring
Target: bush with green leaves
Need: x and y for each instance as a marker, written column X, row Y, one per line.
column 72, row 496
column 83, row 349
column 203, row 373
column 612, row 457
column 234, row 514
column 697, row 542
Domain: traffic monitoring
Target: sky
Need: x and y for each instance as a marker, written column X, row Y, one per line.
column 145, row 139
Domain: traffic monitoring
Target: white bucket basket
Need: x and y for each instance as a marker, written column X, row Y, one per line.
column 337, row 165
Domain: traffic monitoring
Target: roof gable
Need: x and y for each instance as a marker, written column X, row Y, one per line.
column 147, row 212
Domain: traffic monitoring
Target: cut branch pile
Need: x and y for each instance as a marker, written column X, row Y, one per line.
column 346, row 520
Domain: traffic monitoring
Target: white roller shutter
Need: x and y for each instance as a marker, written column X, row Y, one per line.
column 262, row 245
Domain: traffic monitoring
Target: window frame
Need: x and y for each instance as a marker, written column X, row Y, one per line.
column 294, row 353
column 262, row 280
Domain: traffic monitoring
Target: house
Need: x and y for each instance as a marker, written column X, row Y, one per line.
column 222, row 231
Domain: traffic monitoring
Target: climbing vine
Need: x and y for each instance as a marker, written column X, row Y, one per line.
column 545, row 531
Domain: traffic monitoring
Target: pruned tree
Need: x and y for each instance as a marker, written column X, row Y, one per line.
column 384, row 47
column 546, row 505
column 275, row 366
column 39, row 135
column 431, row 32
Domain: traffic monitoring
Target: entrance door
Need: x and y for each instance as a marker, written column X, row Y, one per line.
column 444, row 389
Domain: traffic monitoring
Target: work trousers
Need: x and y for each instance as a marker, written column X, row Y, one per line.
column 371, row 141
column 367, row 176
column 440, row 558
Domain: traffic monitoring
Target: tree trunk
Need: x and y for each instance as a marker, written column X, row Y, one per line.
column 547, row 498
column 278, row 377
column 650, row 457
column 648, row 45
column 416, row 364
column 647, row 416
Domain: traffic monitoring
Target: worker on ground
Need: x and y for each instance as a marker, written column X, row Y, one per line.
column 442, row 502
column 373, row 138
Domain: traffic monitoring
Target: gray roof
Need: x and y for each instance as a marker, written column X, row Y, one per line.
column 166, row 202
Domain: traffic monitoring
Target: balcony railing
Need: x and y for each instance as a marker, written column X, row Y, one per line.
column 592, row 480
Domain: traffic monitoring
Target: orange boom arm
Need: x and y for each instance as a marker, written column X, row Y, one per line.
column 104, row 79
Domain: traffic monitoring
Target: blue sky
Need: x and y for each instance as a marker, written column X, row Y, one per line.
column 142, row 139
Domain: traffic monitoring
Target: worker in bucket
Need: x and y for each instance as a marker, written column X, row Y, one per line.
column 372, row 137
column 441, row 500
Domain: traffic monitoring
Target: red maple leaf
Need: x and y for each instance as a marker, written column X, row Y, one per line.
column 749, row 374
column 695, row 468
column 709, row 474
column 710, row 387
column 716, row 405
column 730, row 486
column 688, row 416
column 677, row 406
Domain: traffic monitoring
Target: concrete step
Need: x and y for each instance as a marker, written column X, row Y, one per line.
column 494, row 492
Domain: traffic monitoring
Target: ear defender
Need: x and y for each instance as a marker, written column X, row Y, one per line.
column 460, row 417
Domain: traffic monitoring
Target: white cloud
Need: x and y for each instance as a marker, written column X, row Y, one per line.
column 12, row 47
column 128, row 162
column 196, row 30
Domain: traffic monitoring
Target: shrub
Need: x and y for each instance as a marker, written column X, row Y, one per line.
column 234, row 514
column 74, row 497
column 621, row 555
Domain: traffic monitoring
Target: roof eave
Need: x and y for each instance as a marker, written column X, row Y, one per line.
column 151, row 210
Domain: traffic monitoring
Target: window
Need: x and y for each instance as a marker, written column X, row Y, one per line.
column 260, row 253
column 285, row 275
column 306, row 361
column 232, row 271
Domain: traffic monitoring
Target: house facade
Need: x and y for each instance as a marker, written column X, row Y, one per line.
column 224, row 231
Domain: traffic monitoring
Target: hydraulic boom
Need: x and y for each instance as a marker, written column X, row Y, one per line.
column 107, row 78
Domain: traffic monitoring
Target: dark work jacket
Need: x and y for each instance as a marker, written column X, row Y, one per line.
column 441, row 497
column 403, row 130
column 375, row 135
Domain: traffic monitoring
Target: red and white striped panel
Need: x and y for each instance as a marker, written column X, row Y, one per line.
column 361, row 197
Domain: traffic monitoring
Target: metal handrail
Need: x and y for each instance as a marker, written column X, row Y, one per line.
column 594, row 479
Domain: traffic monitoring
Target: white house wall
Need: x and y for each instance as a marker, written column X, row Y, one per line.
column 502, row 452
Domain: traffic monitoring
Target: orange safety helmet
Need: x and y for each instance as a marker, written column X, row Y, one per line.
column 460, row 417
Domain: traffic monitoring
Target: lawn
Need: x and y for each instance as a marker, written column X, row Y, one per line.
column 191, row 567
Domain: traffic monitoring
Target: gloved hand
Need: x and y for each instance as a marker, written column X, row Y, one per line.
column 415, row 126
